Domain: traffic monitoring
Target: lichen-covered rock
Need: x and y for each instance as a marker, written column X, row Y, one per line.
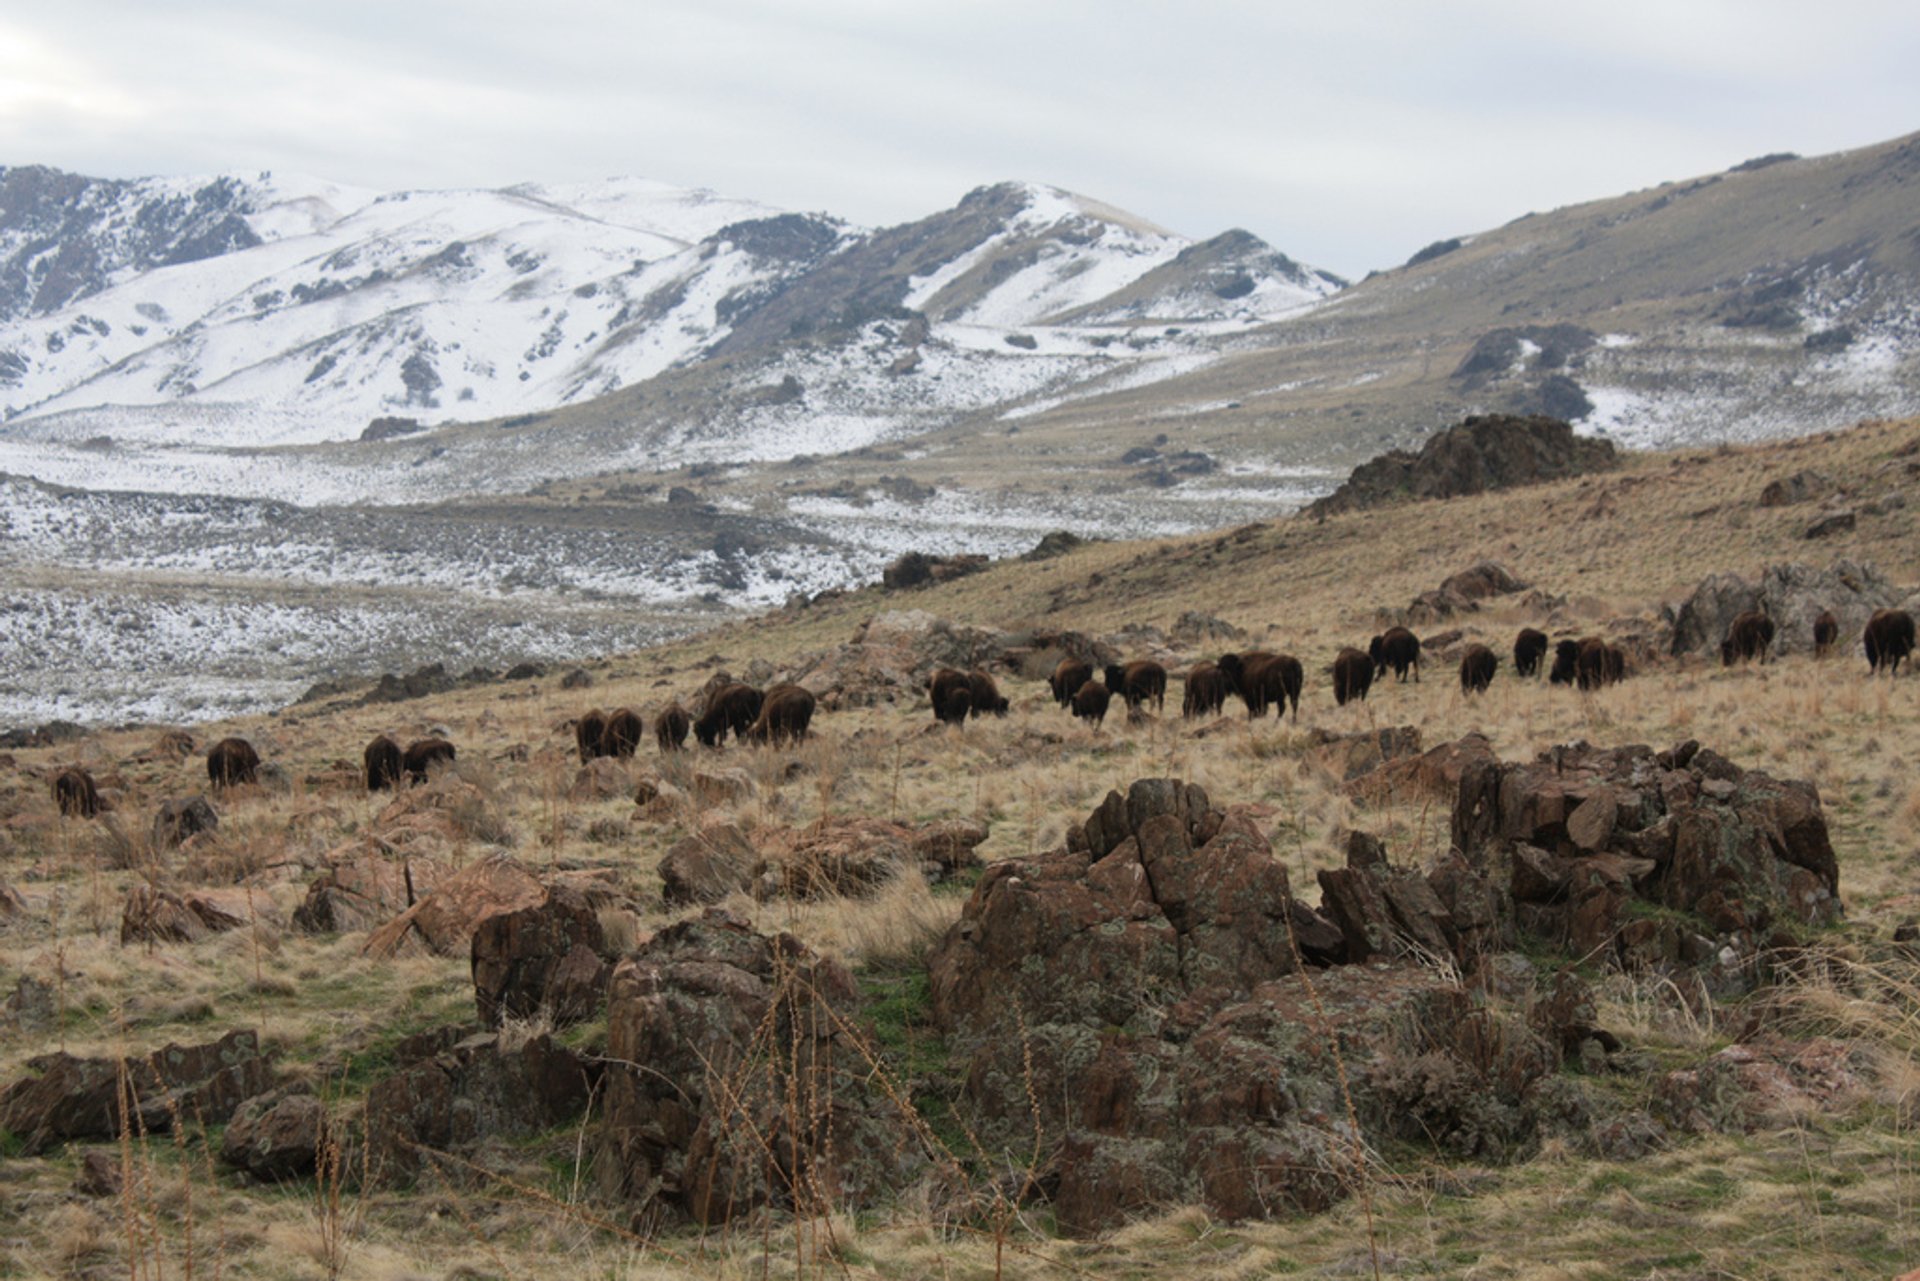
column 1765, row 1083
column 73, row 1098
column 708, row 865
column 275, row 1136
column 546, row 957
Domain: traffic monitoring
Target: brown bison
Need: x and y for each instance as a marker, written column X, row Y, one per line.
column 1826, row 631
column 1529, row 647
column 1137, row 682
column 425, row 753
column 1207, row 688
column 1397, row 648
column 385, row 761
column 588, row 733
column 1566, row 663
column 1889, row 640
column 670, row 728
column 1090, row 701
column 951, row 693
column 1262, row 680
column 733, row 707
column 987, row 699
column 1352, row 676
column 1476, row 669
column 1747, row 639
column 232, row 761
column 75, row 794
column 622, row 735
column 1067, row 679
column 1598, row 663
column 785, row 713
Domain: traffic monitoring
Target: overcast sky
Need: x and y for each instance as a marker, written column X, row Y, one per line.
column 1349, row 134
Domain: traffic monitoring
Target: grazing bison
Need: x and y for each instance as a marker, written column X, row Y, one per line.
column 589, row 732
column 1747, row 639
column 1476, row 669
column 75, row 794
column 1067, row 679
column 1207, row 688
column 1529, row 647
column 1090, row 701
column 1597, row 663
column 423, row 754
column 1889, row 639
column 670, row 729
column 622, row 734
column 1566, row 663
column 231, row 761
column 733, row 707
column 385, row 762
column 1397, row 648
column 987, row 700
column 1352, row 676
column 1262, row 680
column 1826, row 630
column 785, row 713
column 1137, row 682
column 951, row 693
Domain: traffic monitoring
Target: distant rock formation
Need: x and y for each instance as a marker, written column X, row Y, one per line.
column 1494, row 451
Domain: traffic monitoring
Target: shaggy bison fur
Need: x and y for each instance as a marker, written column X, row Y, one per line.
column 75, row 794
column 622, row 735
column 1598, row 663
column 733, row 707
column 1265, row 680
column 670, row 728
column 1529, row 647
column 1889, row 640
column 1747, row 639
column 1397, row 648
column 1566, row 663
column 589, row 732
column 987, row 700
column 1476, row 669
column 1826, row 630
column 1206, row 691
column 385, row 761
column 1090, row 701
column 1352, row 676
column 1067, row 679
column 785, row 713
column 951, row 694
column 232, row 761
column 1137, row 682
column 423, row 754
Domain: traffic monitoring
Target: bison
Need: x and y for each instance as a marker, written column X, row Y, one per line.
column 732, row 707
column 1529, row 647
column 425, row 753
column 1748, row 637
column 1476, row 669
column 987, row 700
column 1067, row 679
column 1352, row 676
column 588, row 734
column 232, row 761
column 1597, row 663
column 1090, row 701
column 385, row 762
column 785, row 713
column 75, row 794
column 1206, row 691
column 1397, row 648
column 1262, row 679
column 1889, row 640
column 622, row 735
column 1566, row 663
column 951, row 693
column 1137, row 682
column 670, row 728
column 1826, row 630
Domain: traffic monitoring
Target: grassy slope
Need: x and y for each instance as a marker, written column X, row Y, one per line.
column 1833, row 1197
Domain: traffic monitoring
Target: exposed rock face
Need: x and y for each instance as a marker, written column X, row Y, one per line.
column 747, row 1089
column 548, row 956
column 705, row 867
column 1495, row 451
column 1765, row 1084
column 182, row 818
column 78, row 1098
column 1582, row 834
column 1792, row 595
column 155, row 915
column 1462, row 593
column 890, row 657
column 361, row 891
column 275, row 1136
column 446, row 919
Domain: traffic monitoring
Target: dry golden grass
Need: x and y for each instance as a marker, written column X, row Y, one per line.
column 1833, row 1197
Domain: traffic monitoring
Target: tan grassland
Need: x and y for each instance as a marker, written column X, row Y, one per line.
column 1837, row 1195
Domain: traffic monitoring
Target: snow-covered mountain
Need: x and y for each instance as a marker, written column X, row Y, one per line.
column 313, row 309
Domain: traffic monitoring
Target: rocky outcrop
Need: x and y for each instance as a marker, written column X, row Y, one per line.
column 1793, row 596
column 1767, row 1083
column 275, row 1136
column 1495, row 451
column 857, row 857
column 181, row 819
column 736, row 1080
column 1462, row 593
column 919, row 569
column 545, row 958
column 359, row 891
column 156, row 915
column 69, row 1097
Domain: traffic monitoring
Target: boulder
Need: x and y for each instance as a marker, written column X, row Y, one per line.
column 1830, row 523
column 276, row 1136
column 182, row 818
column 360, row 891
column 855, row 857
column 705, row 867
column 604, row 778
column 445, row 919
column 1461, row 593
column 12, row 906
column 544, row 957
column 82, row 1098
column 714, row 788
column 920, row 569
column 1801, row 486
column 1766, row 1083
column 734, row 1080
column 1708, row 613
column 1348, row 756
column 1494, row 451
column 1792, row 595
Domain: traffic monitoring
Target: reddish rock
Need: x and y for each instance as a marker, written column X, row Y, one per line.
column 705, row 867
column 445, row 920
column 275, row 1136
column 1767, row 1083
column 181, row 819
column 74, row 1098
column 547, row 956
column 362, row 891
